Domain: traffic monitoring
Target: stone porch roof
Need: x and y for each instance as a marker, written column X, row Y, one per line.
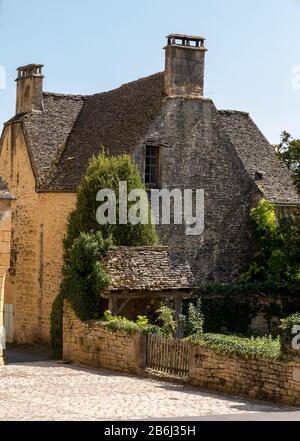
column 148, row 268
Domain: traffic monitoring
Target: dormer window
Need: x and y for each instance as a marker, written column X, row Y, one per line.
column 152, row 166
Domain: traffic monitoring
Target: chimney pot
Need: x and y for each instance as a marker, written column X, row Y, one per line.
column 184, row 71
column 29, row 88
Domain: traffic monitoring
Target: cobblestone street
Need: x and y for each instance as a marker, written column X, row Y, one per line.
column 48, row 390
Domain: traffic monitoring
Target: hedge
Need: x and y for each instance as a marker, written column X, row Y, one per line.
column 245, row 348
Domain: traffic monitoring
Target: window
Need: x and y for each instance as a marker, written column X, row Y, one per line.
column 152, row 166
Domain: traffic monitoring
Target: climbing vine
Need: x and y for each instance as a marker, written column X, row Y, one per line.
column 277, row 257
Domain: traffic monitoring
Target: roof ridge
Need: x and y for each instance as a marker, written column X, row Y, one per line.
column 78, row 96
column 229, row 111
column 65, row 95
column 128, row 84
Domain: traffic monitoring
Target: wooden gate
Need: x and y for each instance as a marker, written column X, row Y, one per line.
column 168, row 355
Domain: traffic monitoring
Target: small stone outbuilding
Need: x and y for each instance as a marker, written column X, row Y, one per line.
column 144, row 277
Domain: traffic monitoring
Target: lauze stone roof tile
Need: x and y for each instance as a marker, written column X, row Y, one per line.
column 148, row 268
column 72, row 128
column 259, row 159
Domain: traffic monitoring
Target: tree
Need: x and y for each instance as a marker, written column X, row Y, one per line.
column 106, row 172
column 87, row 242
column 288, row 152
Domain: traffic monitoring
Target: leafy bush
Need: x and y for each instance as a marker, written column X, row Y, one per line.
column 193, row 322
column 166, row 321
column 232, row 307
column 56, row 325
column 118, row 323
column 246, row 348
column 278, row 247
column 87, row 242
column 83, row 280
column 287, row 326
column 83, row 275
column 106, row 172
column 288, row 153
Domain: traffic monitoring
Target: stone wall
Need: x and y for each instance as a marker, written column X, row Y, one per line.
column 5, row 229
column 263, row 379
column 195, row 153
column 92, row 344
column 38, row 227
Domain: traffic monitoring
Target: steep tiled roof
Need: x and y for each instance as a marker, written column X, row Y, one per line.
column 148, row 268
column 48, row 131
column 116, row 120
column 4, row 192
column 72, row 128
column 259, row 159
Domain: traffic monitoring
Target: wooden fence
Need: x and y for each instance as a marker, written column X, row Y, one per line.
column 168, row 355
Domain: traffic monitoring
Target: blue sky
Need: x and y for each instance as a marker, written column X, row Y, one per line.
column 89, row 46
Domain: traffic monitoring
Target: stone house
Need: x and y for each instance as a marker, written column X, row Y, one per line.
column 178, row 139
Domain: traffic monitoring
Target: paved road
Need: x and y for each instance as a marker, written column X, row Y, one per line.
column 35, row 388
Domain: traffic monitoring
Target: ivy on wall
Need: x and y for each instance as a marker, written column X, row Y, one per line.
column 278, row 246
column 232, row 307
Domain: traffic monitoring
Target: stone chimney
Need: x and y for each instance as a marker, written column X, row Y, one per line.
column 184, row 72
column 30, row 88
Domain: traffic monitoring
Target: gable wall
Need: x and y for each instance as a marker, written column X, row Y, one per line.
column 38, row 225
column 196, row 153
column 21, row 283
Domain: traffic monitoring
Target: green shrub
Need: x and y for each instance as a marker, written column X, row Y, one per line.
column 278, row 246
column 232, row 307
column 106, row 172
column 83, row 280
column 87, row 242
column 84, row 276
column 118, row 323
column 166, row 321
column 56, row 325
column 287, row 326
column 192, row 323
column 245, row 348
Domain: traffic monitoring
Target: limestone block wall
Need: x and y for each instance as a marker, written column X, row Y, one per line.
column 263, row 379
column 94, row 345
column 5, row 231
column 38, row 227
column 194, row 152
column 54, row 209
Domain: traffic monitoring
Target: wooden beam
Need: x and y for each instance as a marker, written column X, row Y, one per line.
column 120, row 309
column 113, row 304
column 178, row 312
